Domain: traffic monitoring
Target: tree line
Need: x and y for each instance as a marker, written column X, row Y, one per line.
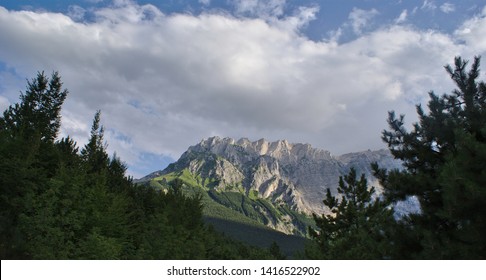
column 59, row 201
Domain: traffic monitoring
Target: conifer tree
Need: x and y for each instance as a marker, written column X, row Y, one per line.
column 445, row 168
column 94, row 152
column 38, row 113
column 355, row 227
column 59, row 203
column 28, row 160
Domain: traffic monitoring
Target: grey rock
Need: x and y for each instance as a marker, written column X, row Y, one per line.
column 294, row 174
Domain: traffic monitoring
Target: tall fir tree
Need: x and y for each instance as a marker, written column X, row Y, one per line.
column 38, row 113
column 28, row 158
column 355, row 228
column 445, row 168
column 94, row 152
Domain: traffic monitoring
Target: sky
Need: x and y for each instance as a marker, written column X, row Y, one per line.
column 167, row 74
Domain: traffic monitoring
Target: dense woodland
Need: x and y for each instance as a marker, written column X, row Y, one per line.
column 61, row 201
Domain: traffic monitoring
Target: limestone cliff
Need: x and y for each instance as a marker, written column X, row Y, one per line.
column 296, row 175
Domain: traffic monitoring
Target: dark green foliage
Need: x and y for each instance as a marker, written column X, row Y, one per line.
column 355, row 227
column 59, row 203
column 445, row 168
column 28, row 161
column 237, row 215
column 94, row 153
column 289, row 245
column 37, row 116
column 274, row 250
column 233, row 204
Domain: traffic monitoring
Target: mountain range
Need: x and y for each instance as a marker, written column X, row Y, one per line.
column 275, row 184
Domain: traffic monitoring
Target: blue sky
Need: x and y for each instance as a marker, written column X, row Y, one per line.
column 440, row 15
column 167, row 74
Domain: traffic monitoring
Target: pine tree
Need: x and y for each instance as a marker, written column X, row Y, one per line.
column 445, row 168
column 38, row 114
column 59, row 203
column 28, row 158
column 94, row 152
column 355, row 229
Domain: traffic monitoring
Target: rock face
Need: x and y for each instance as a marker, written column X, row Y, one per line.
column 296, row 175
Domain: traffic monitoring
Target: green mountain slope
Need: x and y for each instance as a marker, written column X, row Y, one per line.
column 262, row 184
column 238, row 215
column 234, row 205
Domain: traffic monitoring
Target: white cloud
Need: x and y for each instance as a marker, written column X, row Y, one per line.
column 447, row 8
column 76, row 12
column 360, row 18
column 205, row 2
column 335, row 35
column 164, row 82
column 300, row 19
column 4, row 103
column 402, row 17
column 273, row 12
column 260, row 8
column 473, row 32
column 428, row 5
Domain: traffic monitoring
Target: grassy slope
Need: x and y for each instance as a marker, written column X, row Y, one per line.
column 211, row 207
column 234, row 213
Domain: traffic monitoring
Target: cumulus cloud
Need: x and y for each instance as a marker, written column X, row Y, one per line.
column 473, row 32
column 164, row 82
column 205, row 2
column 447, row 8
column 260, row 8
column 76, row 12
column 402, row 17
column 273, row 12
column 4, row 103
column 429, row 5
column 360, row 18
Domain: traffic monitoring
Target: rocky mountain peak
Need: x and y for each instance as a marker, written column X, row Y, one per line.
column 280, row 149
column 292, row 172
column 290, row 175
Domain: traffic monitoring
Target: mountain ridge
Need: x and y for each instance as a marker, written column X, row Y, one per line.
column 264, row 147
column 311, row 169
column 275, row 182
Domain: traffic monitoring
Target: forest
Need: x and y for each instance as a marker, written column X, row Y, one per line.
column 61, row 201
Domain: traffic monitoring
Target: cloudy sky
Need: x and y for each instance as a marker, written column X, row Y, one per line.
column 166, row 74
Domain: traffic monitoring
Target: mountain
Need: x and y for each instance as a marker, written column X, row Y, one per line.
column 278, row 184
